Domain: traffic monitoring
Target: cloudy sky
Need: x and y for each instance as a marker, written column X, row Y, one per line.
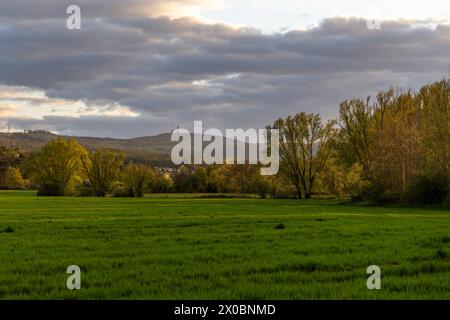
column 142, row 67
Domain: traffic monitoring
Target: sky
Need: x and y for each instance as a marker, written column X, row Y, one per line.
column 143, row 67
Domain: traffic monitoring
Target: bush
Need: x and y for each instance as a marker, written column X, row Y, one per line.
column 388, row 197
column 162, row 184
column 427, row 190
column 50, row 190
column 136, row 180
column 281, row 189
column 118, row 190
column 353, row 184
column 447, row 199
column 376, row 193
column 12, row 179
column 263, row 186
column 84, row 189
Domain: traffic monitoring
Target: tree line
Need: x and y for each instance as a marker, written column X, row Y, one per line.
column 390, row 149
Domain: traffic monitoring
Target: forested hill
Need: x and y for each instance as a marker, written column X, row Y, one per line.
column 153, row 150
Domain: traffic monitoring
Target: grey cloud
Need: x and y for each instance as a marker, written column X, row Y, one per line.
column 151, row 65
column 25, row 10
column 92, row 126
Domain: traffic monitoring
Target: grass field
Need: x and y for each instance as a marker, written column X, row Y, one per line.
column 185, row 248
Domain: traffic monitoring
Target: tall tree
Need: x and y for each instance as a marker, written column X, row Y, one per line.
column 400, row 141
column 101, row 168
column 355, row 120
column 305, row 148
column 136, row 179
column 55, row 166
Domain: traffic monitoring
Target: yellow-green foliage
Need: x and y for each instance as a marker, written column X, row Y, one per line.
column 54, row 169
column 102, row 168
column 12, row 179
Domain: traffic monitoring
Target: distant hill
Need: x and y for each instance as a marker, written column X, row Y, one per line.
column 153, row 150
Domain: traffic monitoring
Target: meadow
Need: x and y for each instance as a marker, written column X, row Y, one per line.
column 198, row 248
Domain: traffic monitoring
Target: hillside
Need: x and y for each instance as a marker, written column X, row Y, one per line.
column 153, row 150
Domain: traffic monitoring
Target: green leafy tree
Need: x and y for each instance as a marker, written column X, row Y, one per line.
column 263, row 185
column 102, row 168
column 136, row 180
column 305, row 147
column 56, row 166
column 12, row 179
column 199, row 180
column 162, row 183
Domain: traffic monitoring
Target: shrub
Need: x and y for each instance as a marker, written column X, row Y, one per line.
column 50, row 190
column 84, row 189
column 427, row 189
column 352, row 183
column 376, row 193
column 136, row 180
column 263, row 186
column 282, row 189
column 118, row 190
column 12, row 179
column 161, row 184
column 447, row 199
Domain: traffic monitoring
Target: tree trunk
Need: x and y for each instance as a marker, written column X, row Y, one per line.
column 299, row 191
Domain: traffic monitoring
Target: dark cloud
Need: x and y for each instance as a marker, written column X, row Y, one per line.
column 175, row 71
column 25, row 10
column 92, row 126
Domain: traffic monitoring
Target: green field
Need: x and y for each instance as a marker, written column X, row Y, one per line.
column 186, row 248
